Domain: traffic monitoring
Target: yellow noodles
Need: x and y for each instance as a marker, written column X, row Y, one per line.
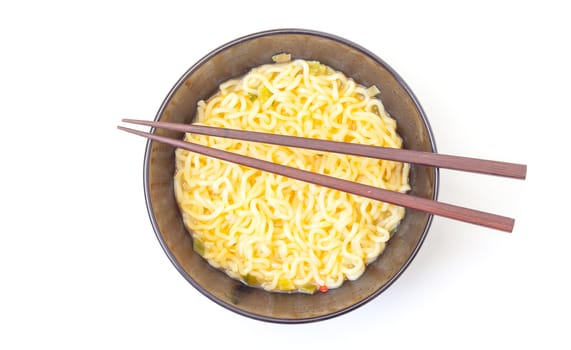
column 272, row 231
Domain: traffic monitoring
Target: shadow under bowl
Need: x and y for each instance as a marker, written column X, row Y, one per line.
column 235, row 59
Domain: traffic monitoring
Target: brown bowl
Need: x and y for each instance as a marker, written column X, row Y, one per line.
column 233, row 60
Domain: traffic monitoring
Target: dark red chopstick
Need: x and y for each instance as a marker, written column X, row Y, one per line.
column 481, row 218
column 483, row 166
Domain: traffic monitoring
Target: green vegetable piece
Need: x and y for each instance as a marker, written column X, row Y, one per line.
column 264, row 94
column 317, row 68
column 251, row 280
column 281, row 58
column 308, row 289
column 393, row 231
column 198, row 247
column 375, row 110
column 373, row 91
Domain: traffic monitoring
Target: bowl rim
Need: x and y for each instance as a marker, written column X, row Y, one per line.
column 146, row 166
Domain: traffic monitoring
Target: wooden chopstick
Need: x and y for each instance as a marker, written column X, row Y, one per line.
column 483, row 166
column 472, row 216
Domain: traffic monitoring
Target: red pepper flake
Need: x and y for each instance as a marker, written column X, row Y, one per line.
column 323, row 289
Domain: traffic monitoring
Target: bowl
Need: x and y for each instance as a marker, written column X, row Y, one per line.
column 232, row 60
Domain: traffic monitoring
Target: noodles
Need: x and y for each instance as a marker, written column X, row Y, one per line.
column 278, row 233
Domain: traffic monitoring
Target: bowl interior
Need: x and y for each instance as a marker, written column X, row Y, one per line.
column 234, row 60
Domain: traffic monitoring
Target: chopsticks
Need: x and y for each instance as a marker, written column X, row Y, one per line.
column 451, row 211
column 483, row 166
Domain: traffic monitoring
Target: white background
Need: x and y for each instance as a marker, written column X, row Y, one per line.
column 81, row 268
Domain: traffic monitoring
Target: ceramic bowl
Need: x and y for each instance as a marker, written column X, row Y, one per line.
column 232, row 60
